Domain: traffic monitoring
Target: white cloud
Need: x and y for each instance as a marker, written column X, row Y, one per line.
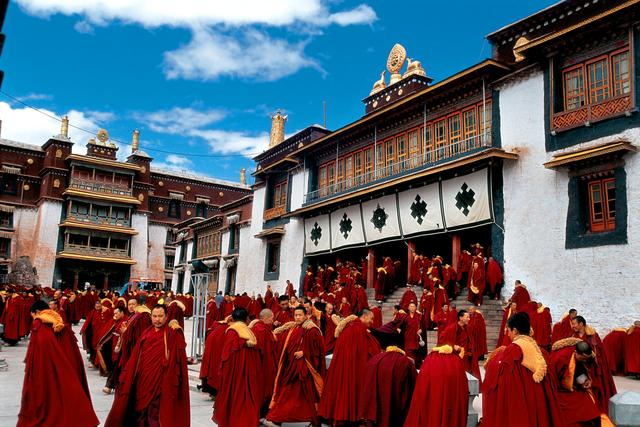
column 210, row 55
column 175, row 162
column 35, row 97
column 228, row 38
column 32, row 127
column 178, row 160
column 178, row 120
column 229, row 142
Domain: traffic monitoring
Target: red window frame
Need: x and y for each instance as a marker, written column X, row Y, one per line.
column 620, row 86
column 601, row 213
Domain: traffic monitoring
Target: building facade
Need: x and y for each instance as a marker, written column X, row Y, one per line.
column 530, row 153
column 93, row 219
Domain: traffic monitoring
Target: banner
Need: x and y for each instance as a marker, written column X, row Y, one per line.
column 466, row 199
column 317, row 234
column 346, row 227
column 380, row 218
column 420, row 210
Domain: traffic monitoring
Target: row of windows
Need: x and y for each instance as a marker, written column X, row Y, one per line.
column 444, row 137
column 175, row 210
column 86, row 209
column 97, row 241
column 597, row 80
column 209, row 244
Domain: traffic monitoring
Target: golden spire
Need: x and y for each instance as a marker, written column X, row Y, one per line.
column 64, row 127
column 277, row 129
column 243, row 176
column 396, row 59
column 135, row 141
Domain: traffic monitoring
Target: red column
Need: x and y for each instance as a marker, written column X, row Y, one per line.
column 75, row 280
column 371, row 269
column 411, row 249
column 105, row 283
column 455, row 250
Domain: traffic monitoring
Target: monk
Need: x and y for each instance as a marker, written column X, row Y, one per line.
column 603, row 386
column 457, row 336
column 301, row 369
column 503, row 335
column 413, row 333
column 387, row 387
column 426, row 308
column 176, row 310
column 105, row 350
column 12, row 318
column 155, row 387
column 381, row 283
column 441, row 393
column 516, row 390
column 354, row 347
column 283, row 315
column 47, row 368
column 568, row 366
column 330, row 323
column 344, row 309
column 632, row 350
column 262, row 328
column 210, row 366
column 613, row 344
column 408, row 297
column 377, row 316
column 520, row 295
column 477, row 329
column 241, row 391
column 212, row 313
column 477, row 283
column 541, row 324
column 494, row 278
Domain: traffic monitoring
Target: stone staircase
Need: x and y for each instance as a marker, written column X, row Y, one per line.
column 491, row 310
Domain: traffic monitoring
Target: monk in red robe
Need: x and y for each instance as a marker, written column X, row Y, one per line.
column 387, row 387
column 354, row 347
column 262, row 328
column 503, row 335
column 48, row 368
column 457, row 336
column 477, row 283
column 516, row 390
column 210, row 365
column 381, row 283
column 613, row 345
column 632, row 350
column 377, row 316
column 408, row 297
column 301, row 369
column 568, row 368
column 477, row 329
column 130, row 333
column 283, row 314
column 520, row 295
column 602, row 381
column 12, row 318
column 175, row 311
column 344, row 309
column 155, row 387
column 413, row 333
column 541, row 324
column 105, row 356
column 563, row 328
column 441, row 320
column 242, row 384
column 92, row 330
column 426, row 308
column 212, row 313
column 441, row 394
column 120, row 324
column 330, row 324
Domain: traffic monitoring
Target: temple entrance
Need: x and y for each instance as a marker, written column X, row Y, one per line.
column 75, row 274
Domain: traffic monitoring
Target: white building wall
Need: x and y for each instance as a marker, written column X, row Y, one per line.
column 23, row 242
column 139, row 245
column 157, row 241
column 600, row 282
column 45, row 238
column 222, row 272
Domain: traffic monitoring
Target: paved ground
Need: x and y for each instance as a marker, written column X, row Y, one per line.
column 201, row 404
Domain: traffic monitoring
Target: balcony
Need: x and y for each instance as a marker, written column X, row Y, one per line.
column 100, row 187
column 276, row 212
column 98, row 220
column 407, row 166
column 95, row 253
column 611, row 107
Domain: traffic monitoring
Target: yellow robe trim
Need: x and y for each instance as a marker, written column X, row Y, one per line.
column 443, row 349
column 393, row 348
column 173, row 324
column 285, row 327
column 343, row 324
column 143, row 309
column 244, row 332
column 532, row 358
column 253, row 323
column 567, row 380
column 52, row 318
column 565, row 342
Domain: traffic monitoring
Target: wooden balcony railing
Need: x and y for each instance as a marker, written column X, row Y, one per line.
column 96, row 251
column 591, row 113
column 100, row 220
column 100, row 187
column 273, row 213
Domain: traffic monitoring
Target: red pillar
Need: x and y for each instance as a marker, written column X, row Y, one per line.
column 75, row 280
column 105, row 283
column 371, row 269
column 455, row 250
column 411, row 249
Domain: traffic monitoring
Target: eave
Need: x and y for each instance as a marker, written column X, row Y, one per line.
column 115, row 260
column 567, row 159
column 103, row 162
column 99, row 227
column 99, row 196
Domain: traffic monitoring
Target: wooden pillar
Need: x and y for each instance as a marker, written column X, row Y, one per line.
column 371, row 269
column 411, row 249
column 455, row 250
column 76, row 277
column 105, row 283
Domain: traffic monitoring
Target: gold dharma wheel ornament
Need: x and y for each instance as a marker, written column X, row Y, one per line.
column 397, row 57
column 103, row 136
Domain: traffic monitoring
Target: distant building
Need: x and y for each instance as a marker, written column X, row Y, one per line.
column 93, row 219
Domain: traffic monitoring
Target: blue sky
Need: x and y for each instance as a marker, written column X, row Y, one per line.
column 201, row 78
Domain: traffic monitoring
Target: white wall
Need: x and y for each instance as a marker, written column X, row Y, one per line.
column 139, row 245
column 600, row 282
column 157, row 241
column 45, row 237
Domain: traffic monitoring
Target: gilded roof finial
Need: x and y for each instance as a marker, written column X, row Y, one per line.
column 64, row 127
column 378, row 85
column 520, row 42
column 243, row 176
column 414, row 68
column 396, row 59
column 277, row 129
column 135, row 141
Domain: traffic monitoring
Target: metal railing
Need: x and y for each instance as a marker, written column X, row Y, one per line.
column 101, row 220
column 100, row 187
column 404, row 166
column 4, row 278
column 96, row 251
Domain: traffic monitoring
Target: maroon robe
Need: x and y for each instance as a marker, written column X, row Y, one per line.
column 562, row 329
column 411, row 339
column 614, row 346
column 477, row 329
column 632, row 351
column 520, row 297
column 441, row 393
column 12, row 319
column 377, row 317
column 385, row 396
column 137, row 324
column 407, row 298
column 267, row 347
column 603, row 385
column 241, row 391
column 47, row 379
column 155, row 385
column 354, row 347
column 210, row 365
column 455, row 334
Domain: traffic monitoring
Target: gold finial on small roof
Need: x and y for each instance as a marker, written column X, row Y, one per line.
column 379, row 84
column 135, row 141
column 103, row 136
column 64, row 127
column 395, row 61
column 520, row 42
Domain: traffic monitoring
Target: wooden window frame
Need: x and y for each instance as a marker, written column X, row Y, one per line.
column 401, row 140
column 348, row 170
column 379, row 158
column 608, row 221
column 358, row 171
column 415, row 158
column 583, row 92
column 454, row 137
column 614, row 81
column 368, row 165
column 606, row 88
column 390, row 160
column 440, row 144
column 470, row 133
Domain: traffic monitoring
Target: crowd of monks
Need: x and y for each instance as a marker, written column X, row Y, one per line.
column 324, row 356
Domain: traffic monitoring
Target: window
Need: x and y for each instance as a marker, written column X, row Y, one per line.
column 169, row 260
column 272, row 262
column 101, row 211
column 368, row 163
column 331, row 176
column 358, row 166
column 6, row 219
column 440, row 130
column 322, row 181
column 390, row 156
column 484, row 117
column 379, row 160
column 348, row 171
column 9, row 184
column 174, row 208
column 280, row 194
column 99, row 242
column 602, row 205
column 201, row 210
column 454, row 134
column 340, row 178
column 78, row 239
column 119, row 244
column 401, row 149
column 470, row 128
column 414, row 149
column 183, row 252
column 428, row 144
column 598, row 73
column 5, row 248
column 620, row 73
column 573, row 89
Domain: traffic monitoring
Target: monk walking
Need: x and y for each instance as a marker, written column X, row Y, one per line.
column 262, row 327
column 155, row 387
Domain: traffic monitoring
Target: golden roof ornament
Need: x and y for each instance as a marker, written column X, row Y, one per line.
column 396, row 59
column 277, row 129
column 103, row 136
column 520, row 42
column 414, row 68
column 64, row 127
column 379, row 84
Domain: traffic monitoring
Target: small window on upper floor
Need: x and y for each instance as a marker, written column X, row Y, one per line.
column 9, row 184
column 174, row 208
column 602, row 204
column 6, row 219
